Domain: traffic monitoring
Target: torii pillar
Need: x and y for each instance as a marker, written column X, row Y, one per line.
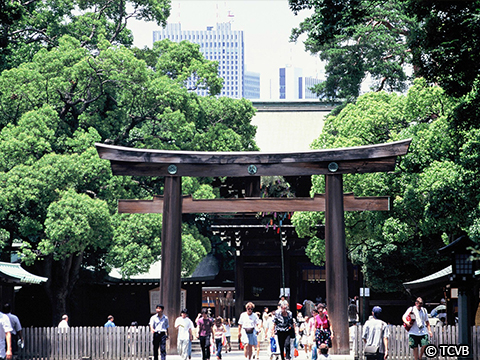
column 170, row 283
column 336, row 263
column 329, row 162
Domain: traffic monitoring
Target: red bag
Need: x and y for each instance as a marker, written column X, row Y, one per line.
column 241, row 345
column 295, row 353
column 410, row 322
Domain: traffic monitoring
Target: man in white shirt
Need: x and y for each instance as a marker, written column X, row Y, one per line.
column 5, row 337
column 64, row 323
column 184, row 327
column 417, row 317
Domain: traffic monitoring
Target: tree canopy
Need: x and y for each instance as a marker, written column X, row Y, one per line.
column 58, row 198
column 384, row 38
column 434, row 188
column 26, row 26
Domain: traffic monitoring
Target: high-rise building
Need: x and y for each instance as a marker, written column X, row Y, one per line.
column 251, row 88
column 293, row 86
column 221, row 44
column 308, row 83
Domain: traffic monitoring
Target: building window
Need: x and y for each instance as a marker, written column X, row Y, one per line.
column 314, row 275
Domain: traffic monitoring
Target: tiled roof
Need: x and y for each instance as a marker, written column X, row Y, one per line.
column 13, row 272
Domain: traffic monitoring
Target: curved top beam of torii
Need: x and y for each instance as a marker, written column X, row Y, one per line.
column 147, row 162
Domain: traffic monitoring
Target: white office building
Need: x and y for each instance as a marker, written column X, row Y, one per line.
column 221, row 44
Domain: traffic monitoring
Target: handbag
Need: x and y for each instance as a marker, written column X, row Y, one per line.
column 370, row 350
column 410, row 324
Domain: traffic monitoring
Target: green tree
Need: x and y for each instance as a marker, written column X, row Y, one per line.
column 444, row 43
column 26, row 26
column 434, row 188
column 356, row 38
column 58, row 198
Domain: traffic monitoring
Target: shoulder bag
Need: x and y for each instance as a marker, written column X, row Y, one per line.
column 370, row 350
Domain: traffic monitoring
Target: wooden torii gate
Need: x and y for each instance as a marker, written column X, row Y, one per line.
column 332, row 163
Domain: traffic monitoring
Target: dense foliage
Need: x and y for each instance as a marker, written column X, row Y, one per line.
column 379, row 38
column 434, row 189
column 26, row 26
column 58, row 199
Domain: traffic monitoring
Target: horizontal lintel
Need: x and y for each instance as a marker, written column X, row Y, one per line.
column 256, row 169
column 254, row 205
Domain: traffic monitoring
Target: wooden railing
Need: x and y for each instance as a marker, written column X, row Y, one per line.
column 125, row 343
column 398, row 342
column 87, row 343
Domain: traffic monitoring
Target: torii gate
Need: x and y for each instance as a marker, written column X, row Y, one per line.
column 332, row 163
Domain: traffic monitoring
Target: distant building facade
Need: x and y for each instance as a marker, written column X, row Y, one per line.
column 221, row 44
column 251, row 85
column 308, row 83
column 293, row 86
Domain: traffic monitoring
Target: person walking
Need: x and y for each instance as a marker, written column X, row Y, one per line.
column 246, row 326
column 159, row 328
column 109, row 322
column 184, row 328
column 63, row 324
column 285, row 330
column 265, row 318
column 228, row 335
column 260, row 335
column 205, row 325
column 352, row 313
column 324, row 332
column 375, row 334
column 417, row 317
column 219, row 334
column 304, row 335
column 312, row 327
column 439, row 312
column 16, row 328
column 5, row 337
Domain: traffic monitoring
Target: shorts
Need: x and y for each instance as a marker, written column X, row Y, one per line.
column 252, row 339
column 417, row 340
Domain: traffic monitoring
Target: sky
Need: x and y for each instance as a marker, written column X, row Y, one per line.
column 267, row 25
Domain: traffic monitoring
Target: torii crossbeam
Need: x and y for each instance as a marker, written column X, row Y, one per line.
column 330, row 162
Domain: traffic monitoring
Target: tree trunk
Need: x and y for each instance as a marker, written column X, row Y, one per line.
column 62, row 277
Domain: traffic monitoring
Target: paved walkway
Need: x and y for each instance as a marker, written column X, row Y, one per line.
column 236, row 354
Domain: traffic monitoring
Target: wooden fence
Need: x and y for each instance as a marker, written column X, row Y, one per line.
column 95, row 343
column 126, row 343
column 398, row 342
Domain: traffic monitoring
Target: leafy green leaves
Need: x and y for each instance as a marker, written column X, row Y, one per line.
column 434, row 188
column 356, row 38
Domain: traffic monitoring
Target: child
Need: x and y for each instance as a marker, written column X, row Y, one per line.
column 218, row 333
column 324, row 352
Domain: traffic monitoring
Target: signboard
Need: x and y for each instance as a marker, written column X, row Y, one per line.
column 154, row 296
column 285, row 292
column 367, row 292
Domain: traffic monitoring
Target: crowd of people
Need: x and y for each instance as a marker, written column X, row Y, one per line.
column 284, row 333
column 311, row 332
